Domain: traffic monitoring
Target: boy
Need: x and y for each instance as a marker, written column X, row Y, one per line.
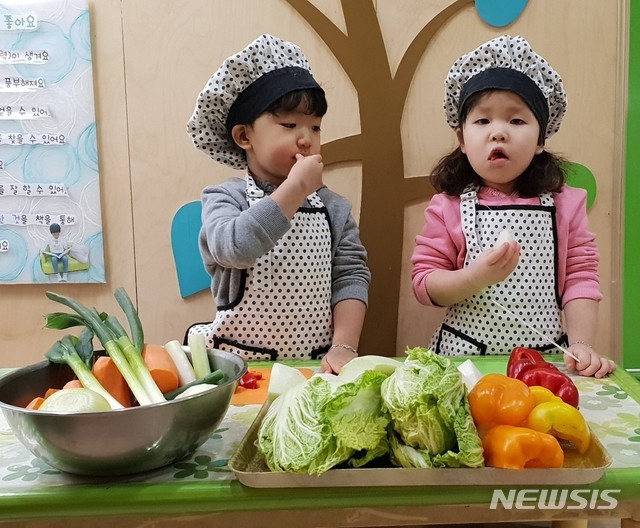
column 288, row 270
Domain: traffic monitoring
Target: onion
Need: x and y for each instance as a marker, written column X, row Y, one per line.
column 505, row 236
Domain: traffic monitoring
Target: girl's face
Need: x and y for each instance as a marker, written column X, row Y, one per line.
column 500, row 137
column 272, row 141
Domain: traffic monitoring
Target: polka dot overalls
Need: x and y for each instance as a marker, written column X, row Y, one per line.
column 476, row 326
column 285, row 311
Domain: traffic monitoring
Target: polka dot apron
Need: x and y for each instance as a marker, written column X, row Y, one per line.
column 476, row 326
column 285, row 310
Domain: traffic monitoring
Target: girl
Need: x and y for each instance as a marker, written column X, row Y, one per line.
column 288, row 270
column 503, row 101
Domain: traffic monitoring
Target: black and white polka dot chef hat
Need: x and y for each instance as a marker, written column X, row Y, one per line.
column 507, row 63
column 246, row 84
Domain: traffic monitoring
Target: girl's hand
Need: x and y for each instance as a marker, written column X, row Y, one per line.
column 495, row 264
column 590, row 364
column 335, row 359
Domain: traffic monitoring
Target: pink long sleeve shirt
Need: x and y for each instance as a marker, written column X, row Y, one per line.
column 441, row 244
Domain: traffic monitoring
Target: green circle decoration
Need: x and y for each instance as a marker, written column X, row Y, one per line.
column 580, row 176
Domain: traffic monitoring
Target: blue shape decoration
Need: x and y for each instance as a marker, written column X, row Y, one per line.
column 185, row 228
column 500, row 13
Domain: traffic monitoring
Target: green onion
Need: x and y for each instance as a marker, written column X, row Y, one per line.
column 64, row 320
column 137, row 335
column 135, row 359
column 181, row 361
column 212, row 378
column 199, row 355
column 142, row 389
column 64, row 352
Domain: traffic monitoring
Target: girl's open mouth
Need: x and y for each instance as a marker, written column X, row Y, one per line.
column 497, row 154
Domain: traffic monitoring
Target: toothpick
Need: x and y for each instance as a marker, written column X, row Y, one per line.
column 534, row 330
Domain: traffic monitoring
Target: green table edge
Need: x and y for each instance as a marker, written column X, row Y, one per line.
column 111, row 498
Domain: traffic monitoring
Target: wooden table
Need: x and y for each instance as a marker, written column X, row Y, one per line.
column 201, row 491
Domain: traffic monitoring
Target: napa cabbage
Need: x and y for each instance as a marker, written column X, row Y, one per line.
column 415, row 411
column 431, row 421
column 321, row 423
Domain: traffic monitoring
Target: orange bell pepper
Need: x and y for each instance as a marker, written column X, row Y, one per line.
column 561, row 420
column 510, row 447
column 500, row 400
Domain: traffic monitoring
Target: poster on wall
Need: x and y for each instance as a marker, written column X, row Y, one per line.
column 50, row 216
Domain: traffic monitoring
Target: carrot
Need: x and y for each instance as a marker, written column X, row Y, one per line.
column 49, row 392
column 35, row 403
column 163, row 369
column 107, row 373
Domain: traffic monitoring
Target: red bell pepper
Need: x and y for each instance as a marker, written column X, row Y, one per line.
column 523, row 359
column 249, row 380
column 554, row 380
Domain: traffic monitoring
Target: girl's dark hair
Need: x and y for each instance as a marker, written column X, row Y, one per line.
column 313, row 101
column 545, row 173
column 453, row 173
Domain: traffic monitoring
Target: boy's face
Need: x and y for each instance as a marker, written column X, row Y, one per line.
column 500, row 137
column 56, row 235
column 273, row 140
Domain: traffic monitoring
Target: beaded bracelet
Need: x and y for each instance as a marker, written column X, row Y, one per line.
column 347, row 347
column 581, row 343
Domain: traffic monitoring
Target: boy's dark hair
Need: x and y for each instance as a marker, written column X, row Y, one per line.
column 453, row 172
column 54, row 228
column 313, row 101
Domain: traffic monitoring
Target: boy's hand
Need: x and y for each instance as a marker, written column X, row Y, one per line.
column 304, row 178
column 335, row 359
column 307, row 172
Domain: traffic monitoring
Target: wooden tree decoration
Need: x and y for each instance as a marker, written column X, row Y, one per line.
column 385, row 190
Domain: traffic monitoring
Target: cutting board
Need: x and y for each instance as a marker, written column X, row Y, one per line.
column 244, row 396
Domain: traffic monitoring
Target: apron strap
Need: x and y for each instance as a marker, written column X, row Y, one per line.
column 546, row 199
column 468, row 200
column 254, row 193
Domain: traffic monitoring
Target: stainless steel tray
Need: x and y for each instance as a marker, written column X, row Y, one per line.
column 251, row 470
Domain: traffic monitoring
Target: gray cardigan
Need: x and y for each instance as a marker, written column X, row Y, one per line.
column 234, row 236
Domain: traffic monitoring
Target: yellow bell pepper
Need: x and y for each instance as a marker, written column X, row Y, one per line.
column 542, row 394
column 562, row 421
column 510, row 447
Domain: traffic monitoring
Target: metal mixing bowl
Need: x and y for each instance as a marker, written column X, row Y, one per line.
column 116, row 442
